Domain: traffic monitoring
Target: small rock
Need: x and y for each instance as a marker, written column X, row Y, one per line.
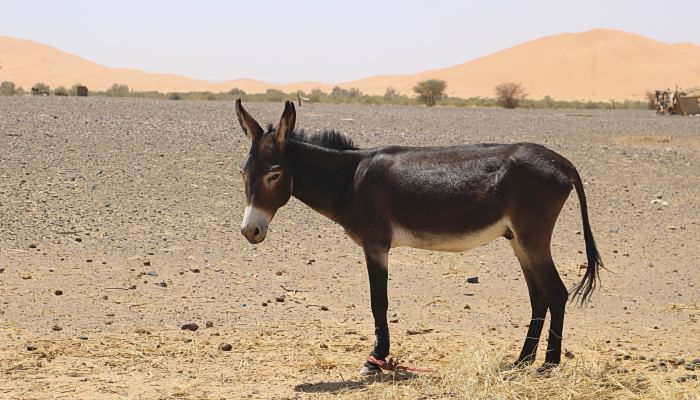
column 279, row 299
column 31, row 347
column 2, row 270
column 195, row 270
column 146, row 263
column 89, row 260
column 161, row 284
column 569, row 354
column 152, row 273
column 83, row 337
column 26, row 276
column 474, row 279
column 324, row 308
column 190, row 326
column 678, row 361
column 614, row 229
column 58, row 292
column 32, row 246
column 209, row 324
column 225, row 347
column 323, row 346
column 467, row 307
column 264, row 304
column 687, row 378
column 394, row 321
column 56, row 328
column 187, row 340
column 78, row 239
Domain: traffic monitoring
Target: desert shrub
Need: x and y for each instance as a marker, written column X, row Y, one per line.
column 315, row 96
column 236, row 92
column 391, row 93
column 60, row 91
column 42, row 88
column 117, row 90
column 430, row 91
column 7, row 88
column 275, row 95
column 509, row 94
column 174, row 96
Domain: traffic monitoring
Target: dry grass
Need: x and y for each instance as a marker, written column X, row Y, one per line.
column 477, row 373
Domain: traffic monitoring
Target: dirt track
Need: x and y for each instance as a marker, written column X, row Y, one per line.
column 131, row 209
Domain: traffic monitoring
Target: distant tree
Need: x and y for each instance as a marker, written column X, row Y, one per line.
column 118, row 90
column 7, row 88
column 236, row 92
column 391, row 93
column 509, row 94
column 60, row 91
column 19, row 91
column 174, row 96
column 430, row 91
column 41, row 88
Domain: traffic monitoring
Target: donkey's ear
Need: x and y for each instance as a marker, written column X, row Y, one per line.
column 249, row 125
column 286, row 125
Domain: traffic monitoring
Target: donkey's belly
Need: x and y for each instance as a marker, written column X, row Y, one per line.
column 402, row 236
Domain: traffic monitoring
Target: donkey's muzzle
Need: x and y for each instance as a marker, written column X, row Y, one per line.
column 254, row 225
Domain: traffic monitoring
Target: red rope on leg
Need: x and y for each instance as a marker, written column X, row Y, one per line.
column 392, row 365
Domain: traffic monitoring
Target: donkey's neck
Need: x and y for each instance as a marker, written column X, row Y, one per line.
column 322, row 178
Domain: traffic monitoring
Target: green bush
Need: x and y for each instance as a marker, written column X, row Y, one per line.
column 430, row 91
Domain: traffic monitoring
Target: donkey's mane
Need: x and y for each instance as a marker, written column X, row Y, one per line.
column 328, row 138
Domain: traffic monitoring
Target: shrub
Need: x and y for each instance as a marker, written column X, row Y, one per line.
column 174, row 96
column 315, row 96
column 274, row 95
column 117, row 90
column 236, row 92
column 651, row 100
column 7, row 88
column 60, row 91
column 391, row 93
column 509, row 94
column 430, row 91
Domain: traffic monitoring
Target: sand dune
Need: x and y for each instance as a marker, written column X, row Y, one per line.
column 597, row 65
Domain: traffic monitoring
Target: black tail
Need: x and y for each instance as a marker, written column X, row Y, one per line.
column 582, row 291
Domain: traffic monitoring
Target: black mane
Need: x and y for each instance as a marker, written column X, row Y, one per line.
column 328, row 138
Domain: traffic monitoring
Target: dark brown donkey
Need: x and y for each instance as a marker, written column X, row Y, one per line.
column 439, row 198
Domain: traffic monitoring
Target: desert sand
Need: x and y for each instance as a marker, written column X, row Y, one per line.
column 119, row 224
column 595, row 65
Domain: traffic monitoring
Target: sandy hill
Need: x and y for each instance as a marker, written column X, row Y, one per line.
column 597, row 65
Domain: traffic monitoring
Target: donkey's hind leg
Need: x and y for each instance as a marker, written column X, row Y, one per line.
column 547, row 291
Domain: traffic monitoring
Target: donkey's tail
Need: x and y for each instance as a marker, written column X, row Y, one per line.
column 582, row 291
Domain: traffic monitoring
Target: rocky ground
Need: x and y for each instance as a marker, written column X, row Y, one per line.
column 119, row 224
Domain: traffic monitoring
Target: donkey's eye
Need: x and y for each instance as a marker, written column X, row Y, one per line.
column 273, row 177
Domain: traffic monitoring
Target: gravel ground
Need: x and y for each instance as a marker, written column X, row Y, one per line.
column 119, row 223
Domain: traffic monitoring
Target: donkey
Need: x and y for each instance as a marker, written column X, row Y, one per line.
column 439, row 198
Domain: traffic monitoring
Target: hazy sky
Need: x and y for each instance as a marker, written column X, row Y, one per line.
column 331, row 41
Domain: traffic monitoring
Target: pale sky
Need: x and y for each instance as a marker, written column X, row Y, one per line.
column 328, row 41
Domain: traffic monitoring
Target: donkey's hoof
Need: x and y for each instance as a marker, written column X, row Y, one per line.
column 370, row 369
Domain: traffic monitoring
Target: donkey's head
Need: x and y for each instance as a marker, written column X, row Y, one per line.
column 266, row 174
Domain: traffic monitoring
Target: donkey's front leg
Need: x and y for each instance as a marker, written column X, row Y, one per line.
column 377, row 267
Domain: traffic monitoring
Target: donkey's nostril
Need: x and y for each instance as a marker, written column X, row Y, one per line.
column 257, row 232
